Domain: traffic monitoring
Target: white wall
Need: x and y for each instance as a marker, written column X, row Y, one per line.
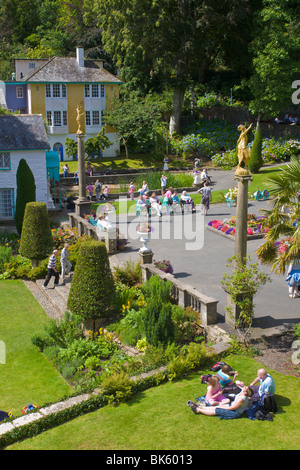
column 36, row 160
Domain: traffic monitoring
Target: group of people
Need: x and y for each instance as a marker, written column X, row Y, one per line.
column 170, row 201
column 217, row 401
column 98, row 186
column 288, row 120
column 52, row 270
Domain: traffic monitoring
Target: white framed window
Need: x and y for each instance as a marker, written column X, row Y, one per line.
column 31, row 65
column 88, row 118
column 4, row 161
column 57, row 118
column 95, row 91
column 87, row 91
column 65, row 118
column 96, row 118
column 49, row 118
column 92, row 118
column 102, row 91
column 56, row 90
column 6, row 203
column 19, row 91
column 48, row 91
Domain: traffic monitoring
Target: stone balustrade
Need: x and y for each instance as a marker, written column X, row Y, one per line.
column 84, row 227
column 186, row 295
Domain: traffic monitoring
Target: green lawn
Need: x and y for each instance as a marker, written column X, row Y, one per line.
column 27, row 376
column 158, row 419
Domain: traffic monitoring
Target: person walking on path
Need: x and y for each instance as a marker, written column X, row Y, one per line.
column 66, row 266
column 131, row 191
column 163, row 183
column 98, row 187
column 51, row 270
column 206, row 197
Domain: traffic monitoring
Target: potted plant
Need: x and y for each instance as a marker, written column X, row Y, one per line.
column 164, row 265
column 241, row 286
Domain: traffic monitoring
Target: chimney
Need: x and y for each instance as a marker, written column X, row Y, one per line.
column 80, row 56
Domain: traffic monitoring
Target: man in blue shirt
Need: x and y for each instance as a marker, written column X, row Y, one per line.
column 267, row 384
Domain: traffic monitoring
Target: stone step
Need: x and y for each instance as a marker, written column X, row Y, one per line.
column 50, row 309
column 58, row 296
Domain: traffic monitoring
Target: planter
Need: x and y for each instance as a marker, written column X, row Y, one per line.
column 144, row 238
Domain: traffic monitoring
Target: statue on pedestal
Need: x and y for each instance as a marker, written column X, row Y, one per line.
column 243, row 151
column 78, row 119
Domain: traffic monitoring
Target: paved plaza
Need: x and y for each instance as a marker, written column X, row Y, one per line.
column 199, row 257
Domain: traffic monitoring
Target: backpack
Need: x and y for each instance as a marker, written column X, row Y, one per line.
column 205, row 378
column 217, row 366
column 269, row 403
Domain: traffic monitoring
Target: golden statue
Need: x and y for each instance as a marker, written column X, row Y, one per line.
column 243, row 151
column 78, row 119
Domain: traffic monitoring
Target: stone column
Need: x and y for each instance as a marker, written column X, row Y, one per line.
column 241, row 215
column 82, row 204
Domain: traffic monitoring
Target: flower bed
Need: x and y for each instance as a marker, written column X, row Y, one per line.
column 256, row 227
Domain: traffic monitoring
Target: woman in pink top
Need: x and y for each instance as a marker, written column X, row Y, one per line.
column 214, row 394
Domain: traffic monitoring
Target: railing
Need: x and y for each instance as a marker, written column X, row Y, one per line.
column 186, row 295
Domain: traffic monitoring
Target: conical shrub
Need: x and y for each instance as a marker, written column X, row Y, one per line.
column 36, row 241
column 26, row 192
column 92, row 293
column 256, row 160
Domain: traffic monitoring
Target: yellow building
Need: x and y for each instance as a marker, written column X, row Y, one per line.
column 59, row 85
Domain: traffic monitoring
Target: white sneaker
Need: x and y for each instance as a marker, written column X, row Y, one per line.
column 44, row 287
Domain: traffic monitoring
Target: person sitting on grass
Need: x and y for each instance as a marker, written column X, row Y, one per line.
column 214, row 394
column 232, row 410
column 226, row 378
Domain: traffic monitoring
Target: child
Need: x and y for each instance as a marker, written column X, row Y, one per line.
column 131, row 191
column 90, row 190
column 225, row 379
column 104, row 195
column 214, row 394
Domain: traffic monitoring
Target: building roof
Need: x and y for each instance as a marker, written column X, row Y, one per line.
column 23, row 132
column 67, row 70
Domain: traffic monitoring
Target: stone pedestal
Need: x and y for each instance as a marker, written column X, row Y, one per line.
column 146, row 258
column 241, row 215
column 82, row 204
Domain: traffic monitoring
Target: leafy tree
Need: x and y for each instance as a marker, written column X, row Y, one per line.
column 95, row 145
column 134, row 119
column 171, row 39
column 285, row 189
column 26, row 192
column 36, row 239
column 71, row 147
column 256, row 160
column 276, row 56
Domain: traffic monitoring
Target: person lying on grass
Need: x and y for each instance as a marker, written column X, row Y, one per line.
column 225, row 411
